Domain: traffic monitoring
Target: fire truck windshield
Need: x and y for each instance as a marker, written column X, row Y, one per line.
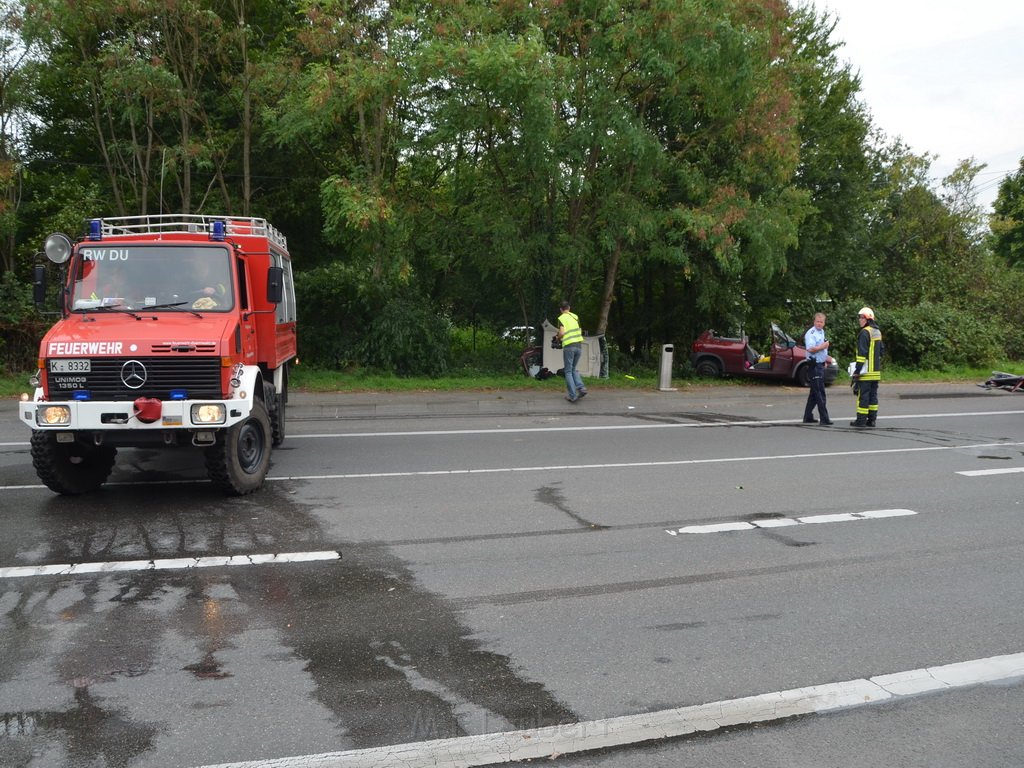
column 161, row 277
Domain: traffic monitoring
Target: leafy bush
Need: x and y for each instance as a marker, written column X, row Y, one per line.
column 348, row 320
column 482, row 351
column 408, row 338
column 333, row 315
column 15, row 299
column 936, row 337
column 20, row 326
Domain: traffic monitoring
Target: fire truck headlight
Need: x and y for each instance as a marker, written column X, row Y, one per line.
column 208, row 413
column 53, row 415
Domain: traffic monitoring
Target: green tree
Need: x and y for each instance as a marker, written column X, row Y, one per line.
column 164, row 94
column 666, row 166
column 835, row 170
column 1008, row 218
column 929, row 274
column 345, row 100
column 587, row 143
column 16, row 90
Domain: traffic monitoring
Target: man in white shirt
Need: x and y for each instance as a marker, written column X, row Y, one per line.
column 817, row 350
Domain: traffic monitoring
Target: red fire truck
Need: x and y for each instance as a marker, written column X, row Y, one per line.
column 175, row 330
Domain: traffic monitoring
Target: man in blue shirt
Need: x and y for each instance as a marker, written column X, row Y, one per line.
column 817, row 350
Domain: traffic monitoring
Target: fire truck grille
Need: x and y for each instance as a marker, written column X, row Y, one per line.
column 126, row 378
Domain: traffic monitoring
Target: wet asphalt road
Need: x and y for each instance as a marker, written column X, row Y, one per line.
column 507, row 563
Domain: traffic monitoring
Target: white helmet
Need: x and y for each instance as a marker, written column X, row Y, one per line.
column 867, row 312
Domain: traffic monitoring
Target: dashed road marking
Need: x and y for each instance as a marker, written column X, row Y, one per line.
column 117, row 566
column 984, row 472
column 780, row 522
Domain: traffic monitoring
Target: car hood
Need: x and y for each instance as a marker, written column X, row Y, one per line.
column 100, row 334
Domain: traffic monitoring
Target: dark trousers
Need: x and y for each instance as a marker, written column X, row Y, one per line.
column 816, row 397
column 867, row 402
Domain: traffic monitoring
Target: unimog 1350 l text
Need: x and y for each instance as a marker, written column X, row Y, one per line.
column 175, row 330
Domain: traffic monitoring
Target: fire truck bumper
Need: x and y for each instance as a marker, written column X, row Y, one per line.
column 143, row 414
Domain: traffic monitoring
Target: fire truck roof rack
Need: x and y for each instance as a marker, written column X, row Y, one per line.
column 187, row 223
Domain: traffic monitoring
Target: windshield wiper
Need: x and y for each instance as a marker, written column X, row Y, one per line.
column 116, row 308
column 176, row 305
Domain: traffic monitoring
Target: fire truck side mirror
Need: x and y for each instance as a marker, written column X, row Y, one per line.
column 39, row 283
column 275, row 285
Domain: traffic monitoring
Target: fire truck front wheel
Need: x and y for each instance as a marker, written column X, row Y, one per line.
column 70, row 468
column 239, row 460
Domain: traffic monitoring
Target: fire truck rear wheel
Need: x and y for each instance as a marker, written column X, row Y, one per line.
column 277, row 413
column 70, row 468
column 278, row 428
column 239, row 461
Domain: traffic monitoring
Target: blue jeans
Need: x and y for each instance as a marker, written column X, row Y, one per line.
column 571, row 355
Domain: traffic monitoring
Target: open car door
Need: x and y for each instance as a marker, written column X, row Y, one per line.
column 782, row 351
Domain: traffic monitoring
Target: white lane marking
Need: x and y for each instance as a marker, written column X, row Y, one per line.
column 592, row 428
column 539, row 743
column 616, row 427
column 983, row 472
column 122, row 483
column 564, row 467
column 638, row 464
column 779, row 522
column 72, row 569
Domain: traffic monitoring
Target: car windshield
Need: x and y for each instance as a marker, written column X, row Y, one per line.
column 781, row 337
column 152, row 278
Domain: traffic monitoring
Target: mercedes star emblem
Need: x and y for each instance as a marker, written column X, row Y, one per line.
column 133, row 374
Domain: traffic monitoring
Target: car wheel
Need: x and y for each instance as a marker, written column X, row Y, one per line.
column 803, row 376
column 239, row 460
column 72, row 468
column 709, row 368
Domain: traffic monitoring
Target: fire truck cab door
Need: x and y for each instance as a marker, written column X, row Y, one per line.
column 247, row 325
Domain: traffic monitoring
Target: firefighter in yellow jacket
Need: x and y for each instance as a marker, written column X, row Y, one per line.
column 868, row 369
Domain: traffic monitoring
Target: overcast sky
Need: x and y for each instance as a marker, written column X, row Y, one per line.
column 945, row 75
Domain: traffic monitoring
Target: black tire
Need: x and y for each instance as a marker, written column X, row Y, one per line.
column 803, row 375
column 239, row 461
column 709, row 368
column 277, row 414
column 70, row 469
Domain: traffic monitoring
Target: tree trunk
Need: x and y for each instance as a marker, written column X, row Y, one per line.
column 611, row 273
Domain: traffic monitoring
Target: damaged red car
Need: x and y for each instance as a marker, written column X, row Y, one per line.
column 712, row 356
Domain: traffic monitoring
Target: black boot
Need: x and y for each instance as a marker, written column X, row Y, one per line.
column 860, row 423
column 871, row 420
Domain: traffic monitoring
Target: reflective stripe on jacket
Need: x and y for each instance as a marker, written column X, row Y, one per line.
column 869, row 353
column 571, row 324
